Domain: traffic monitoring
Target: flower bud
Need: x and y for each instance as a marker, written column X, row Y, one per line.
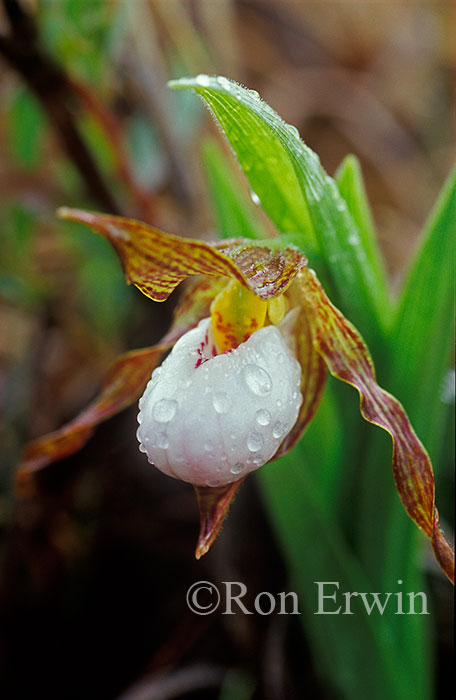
column 210, row 419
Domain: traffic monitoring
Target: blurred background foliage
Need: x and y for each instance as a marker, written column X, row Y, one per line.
column 96, row 561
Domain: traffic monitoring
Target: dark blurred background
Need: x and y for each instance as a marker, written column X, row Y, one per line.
column 96, row 558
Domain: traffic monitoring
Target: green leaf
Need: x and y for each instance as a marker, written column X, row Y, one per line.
column 417, row 361
column 422, row 339
column 298, row 196
column 26, row 126
column 353, row 653
column 350, row 182
column 415, row 367
column 422, row 334
column 234, row 213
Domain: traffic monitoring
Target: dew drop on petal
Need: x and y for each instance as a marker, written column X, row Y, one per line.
column 237, row 468
column 263, row 417
column 221, row 402
column 141, row 447
column 255, row 441
column 257, row 380
column 164, row 410
column 162, row 441
column 155, row 376
column 214, row 482
column 278, row 429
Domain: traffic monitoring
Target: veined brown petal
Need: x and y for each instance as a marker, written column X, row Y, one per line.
column 213, row 502
column 124, row 383
column 156, row 262
column 313, row 380
column 348, row 359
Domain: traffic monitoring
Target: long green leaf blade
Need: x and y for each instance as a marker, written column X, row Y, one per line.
column 298, row 195
column 352, row 652
column 234, row 213
column 418, row 354
column 416, row 363
column 350, row 182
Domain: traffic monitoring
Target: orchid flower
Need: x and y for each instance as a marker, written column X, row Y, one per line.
column 252, row 340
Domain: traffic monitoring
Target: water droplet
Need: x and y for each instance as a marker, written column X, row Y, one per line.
column 263, row 417
column 142, row 448
column 164, row 410
column 279, row 403
column 238, row 468
column 221, row 402
column 254, row 197
column 224, row 82
column 214, row 482
column 257, row 379
column 162, row 441
column 203, row 80
column 139, row 418
column 155, row 375
column 255, row 441
column 293, row 131
column 278, row 429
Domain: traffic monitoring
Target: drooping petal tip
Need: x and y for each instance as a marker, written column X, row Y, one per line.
column 157, row 262
column 213, row 506
column 348, row 359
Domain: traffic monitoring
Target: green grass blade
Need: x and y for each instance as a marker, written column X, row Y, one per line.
column 354, row 653
column 350, row 182
column 417, row 361
column 298, row 196
column 419, row 350
column 422, row 339
column 234, row 212
column 422, row 332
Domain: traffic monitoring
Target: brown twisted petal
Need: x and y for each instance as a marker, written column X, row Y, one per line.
column 156, row 262
column 348, row 359
column 124, row 383
column 313, row 380
column 213, row 502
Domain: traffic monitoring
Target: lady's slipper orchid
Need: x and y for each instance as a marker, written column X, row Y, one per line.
column 251, row 340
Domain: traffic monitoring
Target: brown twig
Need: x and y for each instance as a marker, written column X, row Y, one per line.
column 143, row 199
column 48, row 81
